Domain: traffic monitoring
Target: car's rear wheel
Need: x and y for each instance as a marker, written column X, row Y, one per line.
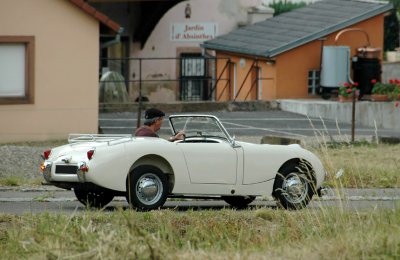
column 147, row 188
column 94, row 198
column 239, row 202
column 293, row 187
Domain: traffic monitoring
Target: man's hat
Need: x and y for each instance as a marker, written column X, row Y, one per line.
column 153, row 113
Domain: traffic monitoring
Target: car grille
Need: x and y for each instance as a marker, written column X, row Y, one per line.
column 66, row 169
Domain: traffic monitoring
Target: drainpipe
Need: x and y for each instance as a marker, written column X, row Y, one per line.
column 116, row 40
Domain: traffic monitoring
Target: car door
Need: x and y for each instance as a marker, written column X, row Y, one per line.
column 210, row 163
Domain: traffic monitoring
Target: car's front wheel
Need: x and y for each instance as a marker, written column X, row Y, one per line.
column 94, row 198
column 293, row 187
column 147, row 188
column 239, row 202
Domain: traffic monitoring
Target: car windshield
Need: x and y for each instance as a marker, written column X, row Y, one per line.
column 197, row 126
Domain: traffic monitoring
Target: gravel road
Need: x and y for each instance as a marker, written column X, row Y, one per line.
column 20, row 161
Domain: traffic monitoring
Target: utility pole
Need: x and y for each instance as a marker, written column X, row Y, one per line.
column 353, row 115
column 139, row 113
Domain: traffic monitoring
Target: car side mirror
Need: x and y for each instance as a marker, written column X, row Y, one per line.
column 233, row 143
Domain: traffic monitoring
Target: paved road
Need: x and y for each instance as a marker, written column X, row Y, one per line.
column 21, row 201
column 255, row 123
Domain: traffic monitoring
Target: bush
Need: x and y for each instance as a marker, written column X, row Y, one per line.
column 391, row 25
column 285, row 6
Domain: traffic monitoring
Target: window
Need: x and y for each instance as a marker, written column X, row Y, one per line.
column 193, row 76
column 16, row 69
column 313, row 81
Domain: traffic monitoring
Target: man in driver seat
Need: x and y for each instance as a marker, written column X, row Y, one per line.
column 153, row 119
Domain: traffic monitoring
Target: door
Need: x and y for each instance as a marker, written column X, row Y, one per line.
column 210, row 163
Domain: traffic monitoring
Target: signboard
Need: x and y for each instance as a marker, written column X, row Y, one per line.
column 193, row 32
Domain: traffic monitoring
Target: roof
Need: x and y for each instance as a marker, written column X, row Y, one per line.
column 104, row 19
column 300, row 26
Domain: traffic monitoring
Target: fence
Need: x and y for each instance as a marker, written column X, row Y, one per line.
column 187, row 78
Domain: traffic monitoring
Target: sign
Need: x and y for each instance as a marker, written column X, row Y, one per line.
column 193, row 32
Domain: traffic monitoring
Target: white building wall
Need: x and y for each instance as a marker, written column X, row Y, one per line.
column 224, row 15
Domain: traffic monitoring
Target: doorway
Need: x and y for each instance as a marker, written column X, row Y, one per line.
column 193, row 77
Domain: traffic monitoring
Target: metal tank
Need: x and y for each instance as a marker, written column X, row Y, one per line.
column 335, row 67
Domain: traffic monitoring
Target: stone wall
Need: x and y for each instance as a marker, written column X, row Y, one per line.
column 390, row 70
column 374, row 114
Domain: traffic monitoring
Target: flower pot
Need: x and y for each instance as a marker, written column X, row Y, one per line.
column 379, row 97
column 345, row 99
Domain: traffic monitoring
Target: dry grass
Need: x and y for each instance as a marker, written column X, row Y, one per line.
column 264, row 233
column 20, row 181
column 365, row 165
column 227, row 234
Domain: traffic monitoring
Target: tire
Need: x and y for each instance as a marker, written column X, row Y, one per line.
column 293, row 187
column 239, row 202
column 147, row 188
column 94, row 198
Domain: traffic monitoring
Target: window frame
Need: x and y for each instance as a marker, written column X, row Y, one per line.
column 29, row 42
column 313, row 81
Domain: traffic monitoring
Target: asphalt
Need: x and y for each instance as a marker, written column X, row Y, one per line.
column 261, row 123
column 47, row 193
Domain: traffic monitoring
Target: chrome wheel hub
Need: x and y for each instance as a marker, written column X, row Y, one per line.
column 149, row 189
column 295, row 188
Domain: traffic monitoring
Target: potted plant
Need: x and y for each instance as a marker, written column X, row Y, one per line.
column 347, row 91
column 385, row 91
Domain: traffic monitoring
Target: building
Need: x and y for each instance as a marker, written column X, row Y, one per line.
column 49, row 68
column 160, row 47
column 281, row 57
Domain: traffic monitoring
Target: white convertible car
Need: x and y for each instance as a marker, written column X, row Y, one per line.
column 208, row 163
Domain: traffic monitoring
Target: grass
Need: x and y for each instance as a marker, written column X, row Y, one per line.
column 20, row 181
column 364, row 166
column 264, row 233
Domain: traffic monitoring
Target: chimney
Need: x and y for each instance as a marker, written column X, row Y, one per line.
column 259, row 13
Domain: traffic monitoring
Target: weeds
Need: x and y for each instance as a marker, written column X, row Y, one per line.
column 20, row 181
column 166, row 234
column 364, row 164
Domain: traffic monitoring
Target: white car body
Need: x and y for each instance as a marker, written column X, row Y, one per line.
column 203, row 165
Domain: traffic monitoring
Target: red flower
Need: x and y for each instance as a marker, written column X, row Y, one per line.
column 391, row 81
column 373, row 81
column 349, row 90
column 397, row 81
column 355, row 84
column 346, row 84
column 396, row 104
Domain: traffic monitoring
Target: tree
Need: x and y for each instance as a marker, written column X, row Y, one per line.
column 391, row 28
column 285, row 6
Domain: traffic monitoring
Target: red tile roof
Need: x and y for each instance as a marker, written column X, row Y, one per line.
column 104, row 19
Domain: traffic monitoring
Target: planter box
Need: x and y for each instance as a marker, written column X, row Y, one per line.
column 345, row 99
column 379, row 97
